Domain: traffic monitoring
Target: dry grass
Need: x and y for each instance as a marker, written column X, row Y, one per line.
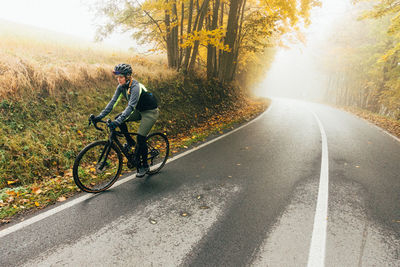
column 31, row 61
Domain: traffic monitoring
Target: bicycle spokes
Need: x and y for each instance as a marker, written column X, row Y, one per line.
column 158, row 150
column 98, row 167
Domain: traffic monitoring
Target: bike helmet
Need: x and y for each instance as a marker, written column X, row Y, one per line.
column 123, row 69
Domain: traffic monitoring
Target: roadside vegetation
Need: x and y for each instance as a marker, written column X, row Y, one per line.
column 362, row 61
column 46, row 98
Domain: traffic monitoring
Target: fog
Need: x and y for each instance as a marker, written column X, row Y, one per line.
column 295, row 72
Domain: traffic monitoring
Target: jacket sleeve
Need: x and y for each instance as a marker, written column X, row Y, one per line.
column 133, row 100
column 113, row 102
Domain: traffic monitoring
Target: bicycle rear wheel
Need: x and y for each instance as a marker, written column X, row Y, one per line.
column 97, row 167
column 158, row 152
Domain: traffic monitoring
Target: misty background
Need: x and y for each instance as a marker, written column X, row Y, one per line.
column 295, row 71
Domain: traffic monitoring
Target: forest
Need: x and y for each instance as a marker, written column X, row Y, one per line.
column 361, row 60
column 223, row 38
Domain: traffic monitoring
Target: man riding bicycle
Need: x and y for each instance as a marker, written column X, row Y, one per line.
column 142, row 106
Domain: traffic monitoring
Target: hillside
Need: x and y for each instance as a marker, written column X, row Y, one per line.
column 50, row 85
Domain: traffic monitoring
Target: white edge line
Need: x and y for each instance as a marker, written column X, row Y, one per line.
column 316, row 257
column 379, row 128
column 371, row 124
column 78, row 200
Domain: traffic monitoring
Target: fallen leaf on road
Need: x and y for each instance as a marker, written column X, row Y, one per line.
column 204, row 207
column 37, row 204
column 152, row 221
column 61, row 199
column 184, row 214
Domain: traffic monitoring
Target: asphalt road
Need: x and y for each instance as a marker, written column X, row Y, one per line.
column 247, row 199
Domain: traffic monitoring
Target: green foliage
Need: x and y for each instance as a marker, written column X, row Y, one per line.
column 40, row 138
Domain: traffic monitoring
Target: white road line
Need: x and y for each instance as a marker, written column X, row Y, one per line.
column 379, row 128
column 316, row 256
column 131, row 240
column 369, row 123
column 78, row 200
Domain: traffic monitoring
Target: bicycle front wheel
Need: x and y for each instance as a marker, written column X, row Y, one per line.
column 97, row 167
column 158, row 151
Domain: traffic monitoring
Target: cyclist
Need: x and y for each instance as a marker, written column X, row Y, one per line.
column 142, row 106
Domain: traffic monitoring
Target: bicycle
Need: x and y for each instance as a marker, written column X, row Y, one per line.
column 98, row 165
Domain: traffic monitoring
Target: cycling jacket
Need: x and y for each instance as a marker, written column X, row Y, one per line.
column 138, row 98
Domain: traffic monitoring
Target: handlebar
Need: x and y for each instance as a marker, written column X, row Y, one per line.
column 91, row 117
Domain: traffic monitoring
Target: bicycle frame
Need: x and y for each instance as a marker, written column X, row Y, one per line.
column 113, row 138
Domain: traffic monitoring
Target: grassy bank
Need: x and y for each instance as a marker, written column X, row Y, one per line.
column 36, row 159
column 47, row 91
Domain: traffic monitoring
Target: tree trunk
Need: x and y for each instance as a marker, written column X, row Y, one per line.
column 211, row 50
column 189, row 30
column 169, row 39
column 203, row 11
column 181, row 35
column 175, row 46
column 172, row 36
column 227, row 58
column 231, row 75
column 219, row 54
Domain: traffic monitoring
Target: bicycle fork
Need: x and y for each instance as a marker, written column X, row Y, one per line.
column 105, row 153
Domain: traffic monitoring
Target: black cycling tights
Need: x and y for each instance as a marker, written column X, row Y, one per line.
column 142, row 149
column 124, row 129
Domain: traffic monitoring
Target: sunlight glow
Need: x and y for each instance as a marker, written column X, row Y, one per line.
column 294, row 73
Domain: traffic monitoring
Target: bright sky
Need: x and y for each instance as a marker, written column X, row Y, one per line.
column 65, row 16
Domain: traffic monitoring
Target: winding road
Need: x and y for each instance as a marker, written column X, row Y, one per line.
column 301, row 185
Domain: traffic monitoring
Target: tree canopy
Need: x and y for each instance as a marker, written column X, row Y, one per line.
column 218, row 35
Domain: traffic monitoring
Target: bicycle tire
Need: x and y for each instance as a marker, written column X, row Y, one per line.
column 79, row 174
column 158, row 148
